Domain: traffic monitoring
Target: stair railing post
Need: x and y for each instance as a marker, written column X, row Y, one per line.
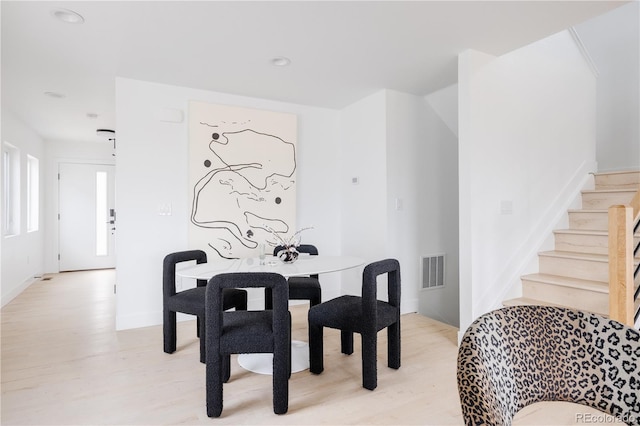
column 621, row 303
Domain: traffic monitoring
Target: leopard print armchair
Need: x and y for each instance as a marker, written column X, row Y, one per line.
column 516, row 356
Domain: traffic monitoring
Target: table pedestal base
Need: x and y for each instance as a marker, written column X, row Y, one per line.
column 263, row 363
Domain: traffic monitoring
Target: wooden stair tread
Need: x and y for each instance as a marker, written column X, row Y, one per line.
column 575, row 255
column 590, row 232
column 526, row 301
column 581, row 232
column 587, row 211
column 598, row 286
column 616, row 172
column 612, row 190
column 589, row 257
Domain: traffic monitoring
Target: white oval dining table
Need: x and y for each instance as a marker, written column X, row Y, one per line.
column 262, row 363
column 305, row 265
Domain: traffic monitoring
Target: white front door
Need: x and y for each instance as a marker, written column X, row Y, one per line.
column 86, row 216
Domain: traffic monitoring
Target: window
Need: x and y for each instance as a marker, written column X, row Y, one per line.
column 33, row 193
column 102, row 228
column 10, row 190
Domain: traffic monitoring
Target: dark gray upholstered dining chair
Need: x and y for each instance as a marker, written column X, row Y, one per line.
column 515, row 356
column 365, row 315
column 300, row 288
column 235, row 332
column 189, row 301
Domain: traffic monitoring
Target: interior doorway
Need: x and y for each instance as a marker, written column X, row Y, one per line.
column 86, row 216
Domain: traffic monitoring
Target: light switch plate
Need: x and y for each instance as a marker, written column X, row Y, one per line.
column 506, row 207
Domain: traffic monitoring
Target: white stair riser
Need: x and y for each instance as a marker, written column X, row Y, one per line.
column 597, row 221
column 604, row 200
column 580, row 243
column 567, row 296
column 618, row 180
column 574, row 268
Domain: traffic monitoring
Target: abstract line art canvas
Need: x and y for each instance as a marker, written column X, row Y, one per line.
column 242, row 178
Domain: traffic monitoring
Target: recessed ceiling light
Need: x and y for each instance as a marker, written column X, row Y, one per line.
column 55, row 95
column 280, row 61
column 67, row 16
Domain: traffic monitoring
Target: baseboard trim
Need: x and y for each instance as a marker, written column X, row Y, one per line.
column 15, row 292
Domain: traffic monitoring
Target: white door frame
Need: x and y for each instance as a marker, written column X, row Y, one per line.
column 108, row 261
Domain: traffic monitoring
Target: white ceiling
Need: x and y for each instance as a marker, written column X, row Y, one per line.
column 340, row 51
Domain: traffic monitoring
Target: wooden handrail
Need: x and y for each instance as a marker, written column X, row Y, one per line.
column 635, row 205
column 622, row 220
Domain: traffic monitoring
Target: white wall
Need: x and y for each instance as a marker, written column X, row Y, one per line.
column 403, row 139
column 444, row 102
column 527, row 136
column 405, row 202
column 422, row 201
column 23, row 254
column 437, row 194
column 617, row 58
column 57, row 152
column 362, row 154
column 152, row 170
column 333, row 147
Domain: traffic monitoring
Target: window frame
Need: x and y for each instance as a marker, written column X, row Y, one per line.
column 10, row 190
column 33, row 194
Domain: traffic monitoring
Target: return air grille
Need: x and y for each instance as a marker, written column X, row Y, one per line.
column 433, row 271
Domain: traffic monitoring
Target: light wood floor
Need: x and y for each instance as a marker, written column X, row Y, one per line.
column 64, row 364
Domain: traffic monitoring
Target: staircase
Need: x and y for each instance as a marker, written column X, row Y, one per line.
column 576, row 273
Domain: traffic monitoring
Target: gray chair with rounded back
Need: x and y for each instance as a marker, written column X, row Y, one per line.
column 235, row 332
column 365, row 315
column 189, row 301
column 300, row 288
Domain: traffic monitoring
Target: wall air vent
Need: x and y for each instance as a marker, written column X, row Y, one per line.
column 432, row 271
